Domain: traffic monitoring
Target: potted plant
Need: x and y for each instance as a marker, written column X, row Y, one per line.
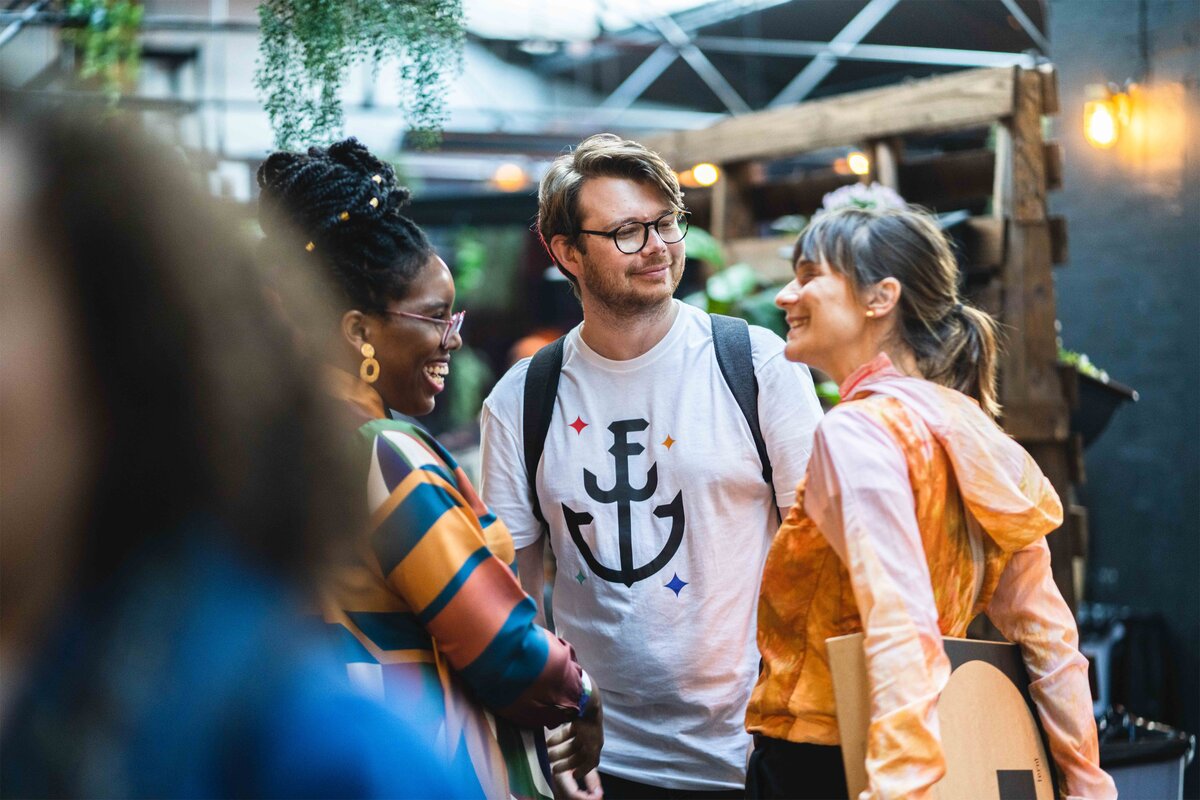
column 307, row 47
column 104, row 36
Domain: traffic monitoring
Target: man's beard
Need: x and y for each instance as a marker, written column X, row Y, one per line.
column 616, row 294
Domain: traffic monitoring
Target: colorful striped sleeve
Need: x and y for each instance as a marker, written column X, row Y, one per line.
column 432, row 551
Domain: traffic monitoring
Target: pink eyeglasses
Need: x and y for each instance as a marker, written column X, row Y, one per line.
column 453, row 325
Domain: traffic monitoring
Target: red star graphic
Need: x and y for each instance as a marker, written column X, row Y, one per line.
column 578, row 425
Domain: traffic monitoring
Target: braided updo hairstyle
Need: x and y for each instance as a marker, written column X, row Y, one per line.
column 342, row 205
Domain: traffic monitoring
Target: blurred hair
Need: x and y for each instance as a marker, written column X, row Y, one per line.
column 604, row 155
column 208, row 412
column 955, row 344
column 340, row 207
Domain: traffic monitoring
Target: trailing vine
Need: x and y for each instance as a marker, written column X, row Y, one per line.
column 104, row 34
column 307, row 46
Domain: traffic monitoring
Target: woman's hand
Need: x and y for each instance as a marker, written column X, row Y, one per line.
column 574, row 751
column 567, row 787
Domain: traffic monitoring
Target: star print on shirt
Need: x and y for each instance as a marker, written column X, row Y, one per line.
column 581, row 577
column 578, row 425
column 676, row 585
column 668, row 442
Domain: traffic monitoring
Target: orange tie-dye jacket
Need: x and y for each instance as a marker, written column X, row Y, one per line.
column 917, row 513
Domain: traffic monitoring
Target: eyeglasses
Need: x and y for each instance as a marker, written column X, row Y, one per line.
column 631, row 237
column 453, row 325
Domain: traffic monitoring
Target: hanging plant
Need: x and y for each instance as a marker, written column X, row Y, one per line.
column 307, row 46
column 104, row 34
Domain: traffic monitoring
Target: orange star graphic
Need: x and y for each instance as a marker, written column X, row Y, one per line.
column 668, row 442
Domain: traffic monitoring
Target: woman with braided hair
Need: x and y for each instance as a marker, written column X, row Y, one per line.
column 431, row 617
column 917, row 512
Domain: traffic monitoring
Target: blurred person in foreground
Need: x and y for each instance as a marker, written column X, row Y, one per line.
column 169, row 494
column 431, row 616
column 917, row 512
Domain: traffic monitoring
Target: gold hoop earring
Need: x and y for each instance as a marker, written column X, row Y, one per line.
column 369, row 369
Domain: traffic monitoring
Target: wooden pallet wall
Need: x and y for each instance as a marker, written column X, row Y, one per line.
column 996, row 164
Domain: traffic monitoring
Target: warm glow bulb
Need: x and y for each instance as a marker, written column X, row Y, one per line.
column 1100, row 123
column 859, row 163
column 509, row 177
column 706, row 174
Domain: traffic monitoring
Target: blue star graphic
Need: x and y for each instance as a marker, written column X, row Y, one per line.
column 676, row 585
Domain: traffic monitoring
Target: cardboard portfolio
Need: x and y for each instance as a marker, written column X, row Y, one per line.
column 990, row 730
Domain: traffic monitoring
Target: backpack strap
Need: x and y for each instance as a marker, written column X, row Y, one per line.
column 541, row 387
column 731, row 341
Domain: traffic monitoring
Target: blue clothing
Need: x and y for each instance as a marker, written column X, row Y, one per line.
column 196, row 676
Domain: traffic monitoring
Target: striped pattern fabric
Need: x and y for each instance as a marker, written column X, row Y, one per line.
column 431, row 620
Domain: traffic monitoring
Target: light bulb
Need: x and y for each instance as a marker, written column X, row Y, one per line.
column 859, row 163
column 509, row 177
column 1100, row 123
column 706, row 174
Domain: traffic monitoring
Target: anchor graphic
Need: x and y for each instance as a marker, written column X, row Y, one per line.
column 624, row 494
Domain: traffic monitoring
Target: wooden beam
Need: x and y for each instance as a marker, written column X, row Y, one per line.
column 1053, row 152
column 800, row 195
column 732, row 214
column 1049, row 77
column 1046, row 422
column 948, row 181
column 1052, row 458
column 1028, row 155
column 885, row 165
column 960, row 99
column 1030, row 387
column 988, row 296
column 982, row 242
column 1060, row 251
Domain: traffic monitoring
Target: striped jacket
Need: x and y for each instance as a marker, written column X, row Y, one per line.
column 432, row 619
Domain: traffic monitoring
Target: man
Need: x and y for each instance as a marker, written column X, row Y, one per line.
column 650, row 483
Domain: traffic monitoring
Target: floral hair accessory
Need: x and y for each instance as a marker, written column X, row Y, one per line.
column 859, row 195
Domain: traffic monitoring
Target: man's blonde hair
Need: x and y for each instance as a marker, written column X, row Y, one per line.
column 604, row 155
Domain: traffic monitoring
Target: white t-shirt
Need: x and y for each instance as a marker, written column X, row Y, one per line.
column 660, row 522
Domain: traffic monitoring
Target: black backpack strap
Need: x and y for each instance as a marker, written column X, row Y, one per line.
column 731, row 340
column 541, row 387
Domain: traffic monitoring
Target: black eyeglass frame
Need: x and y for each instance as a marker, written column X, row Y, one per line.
column 646, row 226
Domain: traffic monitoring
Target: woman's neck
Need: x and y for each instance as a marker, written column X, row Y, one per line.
column 849, row 360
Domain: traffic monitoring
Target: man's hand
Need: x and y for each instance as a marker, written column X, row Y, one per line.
column 574, row 751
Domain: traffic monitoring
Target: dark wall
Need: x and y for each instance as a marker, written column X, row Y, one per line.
column 1129, row 298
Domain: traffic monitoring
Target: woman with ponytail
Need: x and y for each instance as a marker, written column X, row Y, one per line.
column 430, row 615
column 916, row 514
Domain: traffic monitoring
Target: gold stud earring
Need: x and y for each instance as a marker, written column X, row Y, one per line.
column 310, row 247
column 345, row 215
column 369, row 369
column 870, row 313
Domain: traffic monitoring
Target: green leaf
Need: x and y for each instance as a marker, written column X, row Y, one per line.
column 732, row 283
column 701, row 245
column 307, row 48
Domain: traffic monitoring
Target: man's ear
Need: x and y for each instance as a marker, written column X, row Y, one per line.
column 355, row 327
column 566, row 254
column 883, row 297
